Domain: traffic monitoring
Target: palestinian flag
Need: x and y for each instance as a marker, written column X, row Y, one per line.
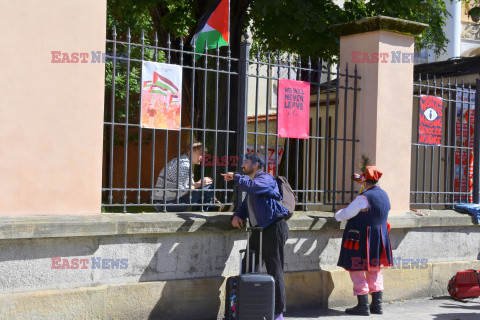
column 161, row 85
column 213, row 27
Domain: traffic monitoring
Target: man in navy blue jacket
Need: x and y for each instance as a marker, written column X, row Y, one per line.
column 262, row 208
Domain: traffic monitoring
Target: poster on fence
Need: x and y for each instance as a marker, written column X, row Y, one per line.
column 430, row 120
column 271, row 156
column 464, row 137
column 161, row 95
column 293, row 109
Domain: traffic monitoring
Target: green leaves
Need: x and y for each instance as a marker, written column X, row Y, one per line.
column 302, row 26
column 295, row 26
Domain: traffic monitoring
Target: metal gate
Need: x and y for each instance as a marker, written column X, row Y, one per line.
column 229, row 104
column 443, row 175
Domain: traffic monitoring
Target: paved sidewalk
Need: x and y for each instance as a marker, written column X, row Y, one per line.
column 439, row 308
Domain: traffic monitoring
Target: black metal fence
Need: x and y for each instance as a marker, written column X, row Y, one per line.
column 315, row 167
column 229, row 105
column 443, row 175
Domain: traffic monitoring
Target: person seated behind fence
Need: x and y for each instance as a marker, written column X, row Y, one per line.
column 186, row 186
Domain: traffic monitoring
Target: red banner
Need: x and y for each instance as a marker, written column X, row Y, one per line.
column 430, row 122
column 293, row 108
column 464, row 137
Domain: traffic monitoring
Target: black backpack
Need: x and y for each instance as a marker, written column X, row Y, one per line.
column 288, row 196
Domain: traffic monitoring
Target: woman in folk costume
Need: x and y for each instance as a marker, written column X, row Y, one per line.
column 366, row 242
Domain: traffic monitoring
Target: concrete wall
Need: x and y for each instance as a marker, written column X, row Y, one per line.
column 179, row 255
column 51, row 134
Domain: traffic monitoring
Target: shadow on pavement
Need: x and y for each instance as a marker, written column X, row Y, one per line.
column 313, row 313
column 456, row 316
column 470, row 306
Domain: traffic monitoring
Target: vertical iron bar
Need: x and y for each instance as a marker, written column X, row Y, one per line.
column 461, row 149
column 267, row 105
column 445, row 114
column 306, row 144
column 276, row 171
column 448, row 142
column 242, row 106
column 476, row 146
column 467, row 149
column 192, row 123
column 227, row 120
column 217, row 75
column 152, row 177
column 112, row 142
column 345, row 132
column 317, row 128
column 142, row 39
column 335, row 141
column 287, row 140
column 433, row 149
column 440, row 146
column 454, row 169
column 205, row 74
column 417, row 147
column 354, row 124
column 425, row 154
column 127, row 109
column 327, row 136
column 468, row 143
column 310, row 134
column 257, row 79
column 180, row 124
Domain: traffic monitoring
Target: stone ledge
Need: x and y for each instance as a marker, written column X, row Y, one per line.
column 163, row 223
column 379, row 23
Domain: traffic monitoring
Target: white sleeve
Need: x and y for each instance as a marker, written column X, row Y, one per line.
column 360, row 203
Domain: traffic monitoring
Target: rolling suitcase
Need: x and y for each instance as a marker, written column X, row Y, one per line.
column 250, row 296
column 465, row 284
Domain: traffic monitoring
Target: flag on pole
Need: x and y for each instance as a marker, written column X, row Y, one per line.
column 213, row 27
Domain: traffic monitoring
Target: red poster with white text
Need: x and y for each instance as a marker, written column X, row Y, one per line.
column 430, row 122
column 293, row 108
column 464, row 137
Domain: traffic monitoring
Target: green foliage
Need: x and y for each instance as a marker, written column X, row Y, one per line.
column 178, row 17
column 471, row 3
column 298, row 26
column 295, row 26
column 122, row 16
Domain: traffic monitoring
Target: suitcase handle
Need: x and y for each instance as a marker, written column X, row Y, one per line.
column 478, row 275
column 474, row 270
column 249, row 230
column 247, row 266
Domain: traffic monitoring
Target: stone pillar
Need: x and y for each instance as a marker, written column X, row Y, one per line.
column 52, row 112
column 382, row 48
column 453, row 30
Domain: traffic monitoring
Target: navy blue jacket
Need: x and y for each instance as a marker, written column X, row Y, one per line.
column 366, row 241
column 263, row 190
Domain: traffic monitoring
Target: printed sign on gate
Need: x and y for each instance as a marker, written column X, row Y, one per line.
column 464, row 137
column 293, row 108
column 430, row 120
